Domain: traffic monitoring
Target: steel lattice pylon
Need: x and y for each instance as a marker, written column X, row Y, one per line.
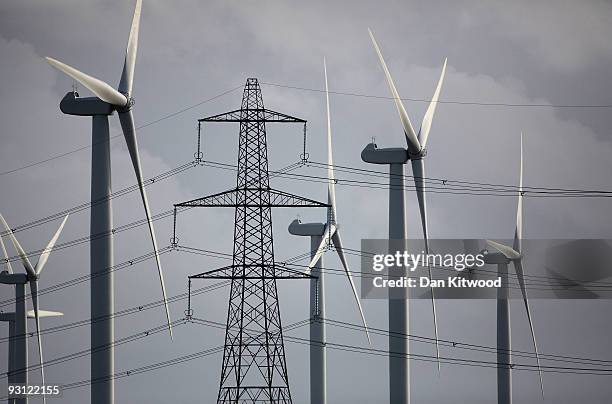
column 254, row 368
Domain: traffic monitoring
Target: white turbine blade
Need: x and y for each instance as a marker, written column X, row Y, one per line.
column 330, row 229
column 127, row 77
column 331, row 187
column 101, row 89
column 44, row 314
column 411, row 137
column 47, row 251
column 6, row 257
column 431, row 110
column 34, row 292
column 129, row 132
column 418, row 172
column 145, row 202
column 24, row 258
column 518, row 233
column 338, row 245
column 508, row 252
column 518, row 266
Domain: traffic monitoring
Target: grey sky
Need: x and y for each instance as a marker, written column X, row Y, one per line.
column 510, row 52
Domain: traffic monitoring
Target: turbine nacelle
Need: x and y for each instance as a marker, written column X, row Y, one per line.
column 9, row 278
column 297, row 228
column 389, row 155
column 502, row 255
column 495, row 258
column 72, row 104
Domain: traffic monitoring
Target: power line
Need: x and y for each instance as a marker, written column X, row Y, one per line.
column 337, row 323
column 513, row 187
column 532, row 279
column 289, row 261
column 468, row 346
column 335, row 271
column 125, row 312
column 434, row 359
column 530, row 284
column 340, row 347
column 341, row 324
column 286, row 172
column 161, row 365
column 170, row 115
column 122, row 228
column 116, row 267
column 441, row 187
column 78, row 280
column 83, row 206
column 455, row 102
column 222, row 284
column 135, row 309
column 431, row 189
column 96, row 236
column 454, row 344
column 458, row 361
column 87, row 352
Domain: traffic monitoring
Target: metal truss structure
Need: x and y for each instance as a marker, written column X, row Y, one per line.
column 254, row 368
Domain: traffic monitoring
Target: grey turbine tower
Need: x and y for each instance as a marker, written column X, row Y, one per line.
column 321, row 234
column 399, row 324
column 18, row 348
column 502, row 258
column 107, row 101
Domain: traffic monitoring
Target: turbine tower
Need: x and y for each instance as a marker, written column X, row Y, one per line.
column 107, row 101
column 399, row 366
column 18, row 347
column 254, row 368
column 502, row 258
column 320, row 234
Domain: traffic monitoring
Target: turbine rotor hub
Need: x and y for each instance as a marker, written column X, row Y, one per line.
column 417, row 155
column 128, row 106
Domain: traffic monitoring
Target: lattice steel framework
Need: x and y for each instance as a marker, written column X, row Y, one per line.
column 254, row 368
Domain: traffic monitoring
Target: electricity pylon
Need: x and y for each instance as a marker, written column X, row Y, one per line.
column 254, row 368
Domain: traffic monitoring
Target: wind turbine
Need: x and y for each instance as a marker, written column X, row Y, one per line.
column 323, row 235
column 14, row 368
column 505, row 256
column 396, row 157
column 18, row 344
column 107, row 101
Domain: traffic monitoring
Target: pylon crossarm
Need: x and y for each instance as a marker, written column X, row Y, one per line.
column 235, row 198
column 221, row 199
column 285, row 199
column 252, row 115
column 235, row 272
